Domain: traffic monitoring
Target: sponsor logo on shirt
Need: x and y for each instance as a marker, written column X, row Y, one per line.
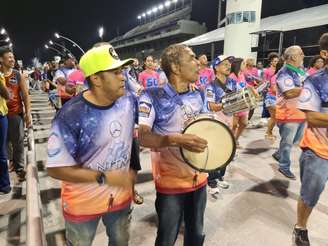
column 306, row 95
column 209, row 93
column 144, row 109
column 289, row 82
column 115, row 129
column 13, row 81
column 54, row 145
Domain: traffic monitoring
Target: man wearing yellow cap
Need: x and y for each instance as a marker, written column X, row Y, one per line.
column 89, row 149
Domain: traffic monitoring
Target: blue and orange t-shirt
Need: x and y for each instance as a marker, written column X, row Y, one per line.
column 314, row 98
column 97, row 138
column 166, row 112
column 214, row 92
column 286, row 109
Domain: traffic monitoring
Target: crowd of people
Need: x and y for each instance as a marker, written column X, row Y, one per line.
column 106, row 107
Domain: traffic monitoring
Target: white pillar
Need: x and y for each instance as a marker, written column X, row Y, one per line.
column 242, row 18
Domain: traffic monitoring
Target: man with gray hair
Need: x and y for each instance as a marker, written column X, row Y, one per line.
column 290, row 120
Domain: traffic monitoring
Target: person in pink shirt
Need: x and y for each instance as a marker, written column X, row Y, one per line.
column 149, row 77
column 251, row 73
column 206, row 74
column 270, row 102
column 75, row 82
column 271, row 69
column 240, row 120
column 316, row 64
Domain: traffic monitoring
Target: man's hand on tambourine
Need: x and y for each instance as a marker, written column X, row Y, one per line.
column 190, row 142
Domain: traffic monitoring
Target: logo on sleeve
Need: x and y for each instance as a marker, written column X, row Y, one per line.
column 54, row 145
column 306, row 95
column 144, row 109
column 210, row 93
column 288, row 82
column 115, row 129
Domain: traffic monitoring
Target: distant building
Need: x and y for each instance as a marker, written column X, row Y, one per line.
column 152, row 36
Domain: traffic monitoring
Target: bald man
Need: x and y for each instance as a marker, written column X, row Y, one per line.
column 290, row 120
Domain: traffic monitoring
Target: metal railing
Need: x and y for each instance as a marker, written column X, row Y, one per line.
column 34, row 222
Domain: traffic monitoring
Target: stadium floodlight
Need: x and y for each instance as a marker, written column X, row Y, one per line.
column 69, row 40
column 167, row 4
column 143, row 15
column 3, row 31
column 155, row 9
column 101, row 31
column 149, row 12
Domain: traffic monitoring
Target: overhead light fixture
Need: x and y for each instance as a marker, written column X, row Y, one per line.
column 149, row 12
column 155, row 9
column 167, row 4
column 143, row 15
column 57, row 35
column 161, row 7
column 46, row 46
column 3, row 31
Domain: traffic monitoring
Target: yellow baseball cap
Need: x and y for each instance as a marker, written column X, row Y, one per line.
column 101, row 58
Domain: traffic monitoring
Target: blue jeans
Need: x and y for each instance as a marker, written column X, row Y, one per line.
column 290, row 133
column 4, row 175
column 171, row 209
column 117, row 229
column 314, row 175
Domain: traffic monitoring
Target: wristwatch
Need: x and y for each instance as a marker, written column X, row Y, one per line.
column 101, row 178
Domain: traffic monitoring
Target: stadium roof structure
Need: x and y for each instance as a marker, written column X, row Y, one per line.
column 305, row 18
column 162, row 22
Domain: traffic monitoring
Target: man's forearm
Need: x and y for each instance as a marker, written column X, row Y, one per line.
column 215, row 107
column 26, row 97
column 293, row 93
column 153, row 140
column 73, row 174
column 316, row 119
column 4, row 92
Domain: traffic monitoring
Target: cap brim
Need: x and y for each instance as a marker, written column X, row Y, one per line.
column 119, row 64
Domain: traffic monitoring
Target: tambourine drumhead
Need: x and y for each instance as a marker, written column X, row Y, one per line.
column 221, row 145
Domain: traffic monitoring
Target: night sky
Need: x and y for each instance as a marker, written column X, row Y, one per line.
column 31, row 23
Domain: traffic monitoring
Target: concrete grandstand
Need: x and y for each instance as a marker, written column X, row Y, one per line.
column 153, row 36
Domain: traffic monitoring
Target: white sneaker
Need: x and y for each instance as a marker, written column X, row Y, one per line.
column 214, row 191
column 223, row 184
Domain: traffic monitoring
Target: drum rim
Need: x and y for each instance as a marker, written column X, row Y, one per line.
column 234, row 145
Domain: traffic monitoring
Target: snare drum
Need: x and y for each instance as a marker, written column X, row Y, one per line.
column 239, row 101
column 221, row 145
